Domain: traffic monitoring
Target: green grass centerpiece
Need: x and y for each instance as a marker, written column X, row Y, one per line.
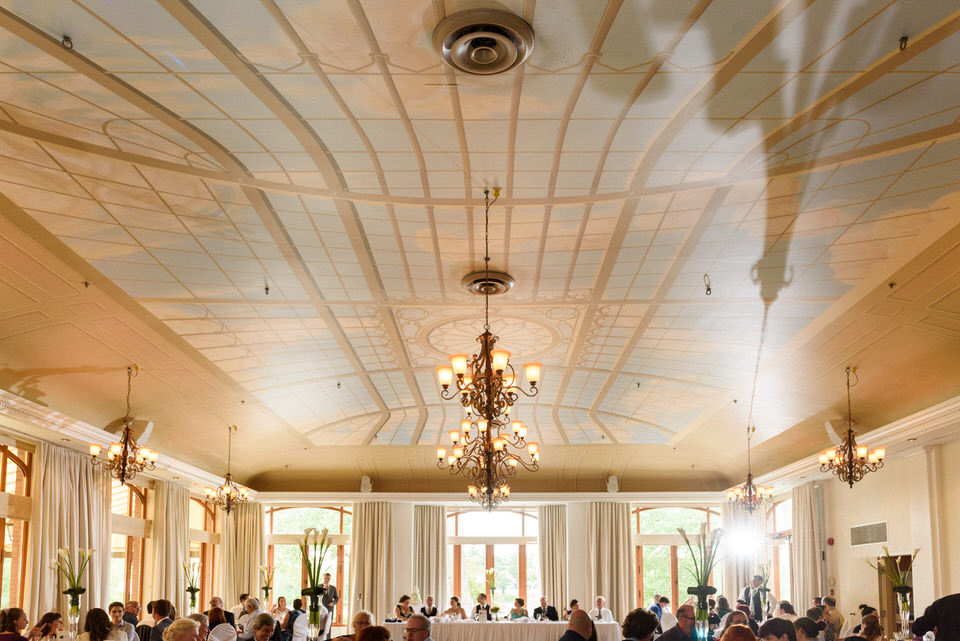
column 704, row 558
column 191, row 572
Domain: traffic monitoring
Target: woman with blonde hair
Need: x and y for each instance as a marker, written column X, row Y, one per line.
column 181, row 630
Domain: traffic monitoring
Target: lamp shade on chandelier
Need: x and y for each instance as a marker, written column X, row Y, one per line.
column 228, row 494
column 125, row 458
column 489, row 446
column 851, row 461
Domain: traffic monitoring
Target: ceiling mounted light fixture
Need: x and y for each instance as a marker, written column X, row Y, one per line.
column 125, row 458
column 229, row 494
column 851, row 462
column 489, row 446
column 483, row 41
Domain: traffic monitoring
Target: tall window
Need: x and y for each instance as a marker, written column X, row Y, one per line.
column 202, row 527
column 14, row 479
column 661, row 555
column 779, row 533
column 129, row 507
column 504, row 541
column 285, row 526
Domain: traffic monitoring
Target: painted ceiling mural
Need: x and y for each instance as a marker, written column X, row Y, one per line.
column 292, row 190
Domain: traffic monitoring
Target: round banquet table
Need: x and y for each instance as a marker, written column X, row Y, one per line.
column 503, row 631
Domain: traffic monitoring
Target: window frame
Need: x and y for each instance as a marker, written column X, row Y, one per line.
column 18, row 562
column 134, row 546
column 208, row 552
column 776, row 538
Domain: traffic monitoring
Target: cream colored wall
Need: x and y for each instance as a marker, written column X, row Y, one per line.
column 950, row 515
column 918, row 495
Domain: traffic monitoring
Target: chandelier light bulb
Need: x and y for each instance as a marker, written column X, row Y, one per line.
column 517, row 425
column 873, row 458
column 533, row 447
column 499, row 358
column 508, row 381
column 881, row 452
column 532, row 372
column 513, row 462
column 95, row 450
column 482, row 424
column 454, row 435
column 472, row 489
column 458, row 452
column 445, row 376
column 467, row 381
column 498, row 444
column 465, row 425
column 523, row 431
column 441, row 453
column 458, row 362
column 451, row 459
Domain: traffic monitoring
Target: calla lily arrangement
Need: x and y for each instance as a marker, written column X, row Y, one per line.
column 313, row 548
column 704, row 557
column 899, row 578
column 266, row 578
column 490, row 580
column 72, row 572
column 191, row 572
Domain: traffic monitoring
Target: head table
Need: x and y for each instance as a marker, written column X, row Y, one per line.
column 504, row 631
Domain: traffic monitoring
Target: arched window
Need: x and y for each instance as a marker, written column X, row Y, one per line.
column 127, row 542
column 504, row 541
column 779, row 535
column 285, row 526
column 15, row 467
column 202, row 549
column 661, row 554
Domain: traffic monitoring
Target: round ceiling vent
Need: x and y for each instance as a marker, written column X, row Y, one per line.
column 492, row 283
column 483, row 41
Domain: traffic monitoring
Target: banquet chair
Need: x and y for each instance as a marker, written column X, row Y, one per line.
column 223, row 632
column 300, row 628
column 667, row 621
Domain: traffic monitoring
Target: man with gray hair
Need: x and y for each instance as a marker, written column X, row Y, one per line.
column 252, row 606
column 204, row 624
column 417, row 628
column 600, row 612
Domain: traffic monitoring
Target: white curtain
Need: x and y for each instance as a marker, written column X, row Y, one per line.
column 71, row 509
column 552, row 530
column 430, row 551
column 243, row 551
column 743, row 547
column 371, row 559
column 170, row 541
column 610, row 557
column 805, row 545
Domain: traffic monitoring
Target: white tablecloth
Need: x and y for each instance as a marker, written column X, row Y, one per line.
column 504, row 631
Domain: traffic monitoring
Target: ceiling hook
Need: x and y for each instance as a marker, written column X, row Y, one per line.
column 903, row 42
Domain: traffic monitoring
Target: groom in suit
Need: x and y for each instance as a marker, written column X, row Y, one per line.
column 545, row 611
column 751, row 596
column 428, row 609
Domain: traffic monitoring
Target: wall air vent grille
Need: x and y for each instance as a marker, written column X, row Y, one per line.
column 868, row 533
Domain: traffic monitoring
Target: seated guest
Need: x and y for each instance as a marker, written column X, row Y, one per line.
column 161, row 619
column 220, row 628
column 870, row 629
column 97, row 627
column 816, row 602
column 785, row 611
column 737, row 617
column 117, row 622
column 237, row 610
column 545, row 611
column 217, row 602
column 518, row 609
column 864, row 611
column 403, row 611
column 374, row 633
column 280, row 610
column 640, row 625
column 361, row 621
column 655, row 608
column 203, row 621
column 417, row 628
column 684, row 630
column 47, row 627
column 455, row 610
column 778, row 629
column 253, row 611
column 580, row 627
column 574, row 606
column 723, row 607
column 600, row 612
column 181, row 630
column 807, row 629
column 738, row 632
column 741, row 607
column 263, row 626
column 944, row 615
column 287, row 624
column 12, row 623
column 663, row 604
column 481, row 611
column 712, row 617
column 428, row 609
column 131, row 613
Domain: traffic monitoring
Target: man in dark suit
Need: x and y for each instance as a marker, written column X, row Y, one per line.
column 751, row 596
column 943, row 615
column 545, row 612
column 131, row 613
column 481, row 611
column 161, row 614
column 217, row 602
column 428, row 609
column 330, row 596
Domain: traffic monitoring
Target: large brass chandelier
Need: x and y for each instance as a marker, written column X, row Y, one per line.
column 228, row 495
column 851, row 461
column 489, row 446
column 125, row 458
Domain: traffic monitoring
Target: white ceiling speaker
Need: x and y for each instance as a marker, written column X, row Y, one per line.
column 366, row 486
column 613, row 485
column 483, row 41
column 488, row 283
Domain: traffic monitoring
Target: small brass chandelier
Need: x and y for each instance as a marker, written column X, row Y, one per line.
column 228, row 495
column 851, row 462
column 750, row 496
column 489, row 446
column 125, row 458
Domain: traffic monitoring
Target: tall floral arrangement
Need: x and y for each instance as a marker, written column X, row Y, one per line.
column 313, row 548
column 266, row 582
column 703, row 554
column 900, row 578
column 763, row 571
column 191, row 572
column 72, row 571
